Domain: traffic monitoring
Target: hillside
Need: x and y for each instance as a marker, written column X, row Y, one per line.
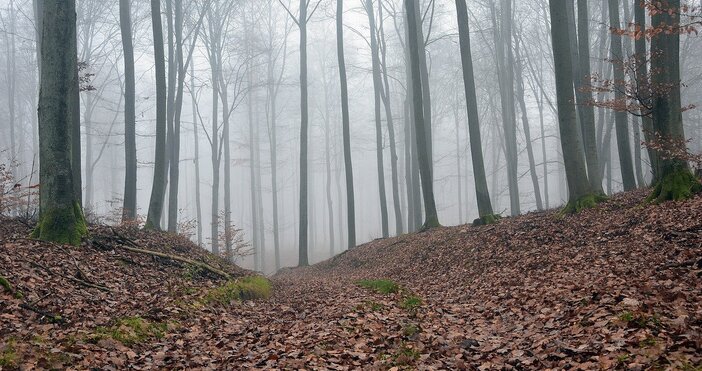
column 618, row 286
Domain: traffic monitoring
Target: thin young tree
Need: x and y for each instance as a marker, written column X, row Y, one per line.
column 158, row 190
column 301, row 21
column 346, row 132
column 431, row 217
column 378, row 118
column 485, row 213
column 130, row 156
column 61, row 216
column 621, row 126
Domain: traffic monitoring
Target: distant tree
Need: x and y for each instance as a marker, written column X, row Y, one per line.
column 61, row 216
column 301, row 21
column 485, row 213
column 377, row 86
column 348, row 166
column 621, row 121
column 431, row 218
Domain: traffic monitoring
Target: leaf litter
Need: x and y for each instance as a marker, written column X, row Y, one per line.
column 615, row 287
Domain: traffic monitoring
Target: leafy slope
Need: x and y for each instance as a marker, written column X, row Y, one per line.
column 613, row 287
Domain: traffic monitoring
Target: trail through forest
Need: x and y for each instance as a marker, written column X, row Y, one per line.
column 617, row 286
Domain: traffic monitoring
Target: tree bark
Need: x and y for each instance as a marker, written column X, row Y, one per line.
column 61, row 217
column 620, row 117
column 158, row 189
column 476, row 149
column 346, row 132
column 129, row 207
column 431, row 219
column 580, row 192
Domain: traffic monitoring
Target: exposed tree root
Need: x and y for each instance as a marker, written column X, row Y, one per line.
column 487, row 220
column 430, row 223
column 676, row 186
column 74, row 279
column 585, row 202
column 53, row 318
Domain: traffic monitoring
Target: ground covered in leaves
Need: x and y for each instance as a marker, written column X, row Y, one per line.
column 617, row 286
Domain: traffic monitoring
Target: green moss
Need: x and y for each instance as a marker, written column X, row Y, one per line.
column 131, row 330
column 678, row 185
column 62, row 225
column 431, row 223
column 585, row 202
column 411, row 303
column 370, row 305
column 380, row 286
column 247, row 288
column 7, row 286
column 410, row 330
column 487, row 219
column 406, row 355
column 8, row 355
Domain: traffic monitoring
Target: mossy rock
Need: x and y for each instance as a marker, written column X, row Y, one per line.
column 62, row 225
column 247, row 288
column 487, row 220
column 585, row 202
column 678, row 185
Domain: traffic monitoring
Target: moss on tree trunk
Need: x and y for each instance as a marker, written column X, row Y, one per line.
column 62, row 225
column 487, row 220
column 678, row 184
column 585, row 202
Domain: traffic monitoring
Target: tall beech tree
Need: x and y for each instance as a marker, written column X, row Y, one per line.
column 621, row 121
column 129, row 207
column 580, row 193
column 346, row 131
column 61, row 216
column 675, row 180
column 378, row 118
column 486, row 215
column 431, row 217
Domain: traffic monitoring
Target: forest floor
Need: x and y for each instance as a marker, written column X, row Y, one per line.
column 618, row 286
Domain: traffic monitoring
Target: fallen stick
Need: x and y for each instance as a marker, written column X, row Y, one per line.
column 53, row 318
column 74, row 279
column 195, row 263
column 137, row 249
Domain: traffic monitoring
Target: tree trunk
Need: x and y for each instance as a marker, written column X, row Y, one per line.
column 485, row 211
column 525, row 124
column 676, row 181
column 350, row 203
column 385, row 95
column 644, row 85
column 196, row 160
column 431, row 219
column 158, row 189
column 129, row 207
column 178, row 109
column 580, row 192
column 620, row 117
column 61, row 217
column 303, row 259
column 584, row 98
column 505, row 61
column 378, row 119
